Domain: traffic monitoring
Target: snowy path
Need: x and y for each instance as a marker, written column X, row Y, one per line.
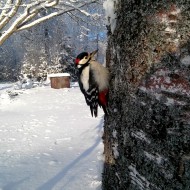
column 49, row 141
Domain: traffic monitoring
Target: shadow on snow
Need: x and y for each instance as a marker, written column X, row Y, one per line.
column 53, row 181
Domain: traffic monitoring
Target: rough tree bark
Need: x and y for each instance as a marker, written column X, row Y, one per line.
column 147, row 133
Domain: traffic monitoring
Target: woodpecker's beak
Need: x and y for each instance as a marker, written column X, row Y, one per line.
column 93, row 53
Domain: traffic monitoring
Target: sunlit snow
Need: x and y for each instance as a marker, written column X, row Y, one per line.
column 49, row 141
column 109, row 6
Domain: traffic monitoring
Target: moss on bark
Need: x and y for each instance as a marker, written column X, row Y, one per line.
column 149, row 122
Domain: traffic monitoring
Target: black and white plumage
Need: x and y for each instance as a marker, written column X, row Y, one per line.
column 93, row 81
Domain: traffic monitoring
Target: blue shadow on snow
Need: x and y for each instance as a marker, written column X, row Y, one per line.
column 52, row 182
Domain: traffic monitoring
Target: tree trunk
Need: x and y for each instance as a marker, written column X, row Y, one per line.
column 147, row 133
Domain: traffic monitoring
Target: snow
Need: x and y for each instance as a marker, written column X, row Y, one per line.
column 138, row 179
column 115, row 150
column 59, row 75
column 49, row 141
column 141, row 136
column 170, row 30
column 186, row 60
column 114, row 134
column 157, row 158
column 115, row 145
column 109, row 6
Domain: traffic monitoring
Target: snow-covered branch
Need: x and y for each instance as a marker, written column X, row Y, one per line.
column 57, row 13
column 5, row 8
column 6, row 17
column 17, row 15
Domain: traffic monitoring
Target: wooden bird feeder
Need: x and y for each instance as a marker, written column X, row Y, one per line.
column 60, row 80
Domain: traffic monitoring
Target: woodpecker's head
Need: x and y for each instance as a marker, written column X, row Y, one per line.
column 84, row 58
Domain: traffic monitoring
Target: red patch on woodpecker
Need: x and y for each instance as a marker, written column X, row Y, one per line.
column 102, row 97
column 77, row 61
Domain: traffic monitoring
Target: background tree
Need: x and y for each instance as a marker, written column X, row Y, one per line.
column 147, row 133
column 51, row 45
column 17, row 15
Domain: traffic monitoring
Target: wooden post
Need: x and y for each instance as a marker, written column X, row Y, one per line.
column 60, row 80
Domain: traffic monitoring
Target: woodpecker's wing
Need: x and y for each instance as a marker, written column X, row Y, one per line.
column 91, row 95
column 93, row 92
column 92, row 100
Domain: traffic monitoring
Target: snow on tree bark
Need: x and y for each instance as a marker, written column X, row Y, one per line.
column 147, row 133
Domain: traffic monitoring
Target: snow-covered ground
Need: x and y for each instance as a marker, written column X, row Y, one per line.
column 48, row 140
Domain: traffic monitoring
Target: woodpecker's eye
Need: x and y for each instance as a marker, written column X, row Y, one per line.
column 85, row 57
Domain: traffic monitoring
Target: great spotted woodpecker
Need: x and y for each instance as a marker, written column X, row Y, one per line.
column 93, row 81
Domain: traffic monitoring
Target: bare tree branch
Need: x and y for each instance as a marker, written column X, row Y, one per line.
column 36, row 10
column 58, row 13
column 30, row 12
column 13, row 28
column 76, row 18
column 10, row 15
column 76, row 8
column 5, row 10
column 25, row 20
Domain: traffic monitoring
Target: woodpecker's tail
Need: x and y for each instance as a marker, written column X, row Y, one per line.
column 94, row 110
